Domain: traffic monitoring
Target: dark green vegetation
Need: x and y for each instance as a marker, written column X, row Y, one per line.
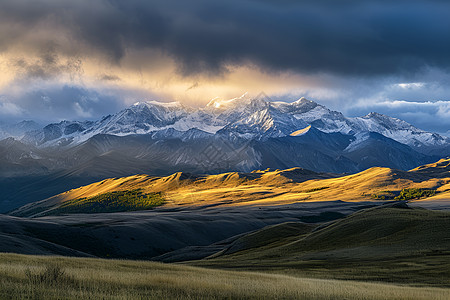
column 404, row 194
column 384, row 195
column 408, row 194
column 112, row 202
column 390, row 244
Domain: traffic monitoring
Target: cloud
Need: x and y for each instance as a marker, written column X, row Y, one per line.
column 369, row 38
column 84, row 59
column 423, row 104
column 431, row 115
column 82, row 112
column 8, row 110
column 46, row 65
column 107, row 77
column 56, row 103
column 195, row 85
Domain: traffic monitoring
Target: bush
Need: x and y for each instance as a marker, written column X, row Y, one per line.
column 52, row 275
column 383, row 195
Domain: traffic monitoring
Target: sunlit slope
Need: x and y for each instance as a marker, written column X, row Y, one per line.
column 266, row 187
column 438, row 169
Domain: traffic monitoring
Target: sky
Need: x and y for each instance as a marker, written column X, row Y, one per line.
column 85, row 59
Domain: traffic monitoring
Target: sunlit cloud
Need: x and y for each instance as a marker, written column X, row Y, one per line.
column 411, row 85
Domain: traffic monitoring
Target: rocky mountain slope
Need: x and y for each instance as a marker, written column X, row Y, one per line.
column 240, row 134
column 245, row 117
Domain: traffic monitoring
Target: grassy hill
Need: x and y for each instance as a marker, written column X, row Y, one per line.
column 116, row 201
column 396, row 244
column 43, row 277
column 266, row 187
column 324, row 250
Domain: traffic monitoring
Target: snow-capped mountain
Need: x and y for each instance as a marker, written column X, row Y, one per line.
column 18, row 130
column 398, row 130
column 57, row 134
column 240, row 134
column 243, row 117
column 264, row 123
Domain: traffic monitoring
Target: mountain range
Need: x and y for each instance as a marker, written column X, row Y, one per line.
column 240, row 134
column 243, row 117
column 244, row 133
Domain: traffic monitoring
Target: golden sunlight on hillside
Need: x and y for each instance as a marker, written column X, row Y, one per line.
column 271, row 187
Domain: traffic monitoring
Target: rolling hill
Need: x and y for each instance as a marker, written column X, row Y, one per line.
column 262, row 187
column 365, row 226
column 391, row 243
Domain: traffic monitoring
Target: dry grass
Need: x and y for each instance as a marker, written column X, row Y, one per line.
column 116, row 279
column 262, row 187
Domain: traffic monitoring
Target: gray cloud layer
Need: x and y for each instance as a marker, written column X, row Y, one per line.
column 340, row 37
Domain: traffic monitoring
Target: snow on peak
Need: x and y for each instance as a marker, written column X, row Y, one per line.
column 230, row 103
column 158, row 103
column 254, row 117
column 303, row 100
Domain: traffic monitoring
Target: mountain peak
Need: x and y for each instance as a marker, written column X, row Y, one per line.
column 142, row 104
column 244, row 116
column 374, row 114
column 303, row 100
column 387, row 121
column 219, row 103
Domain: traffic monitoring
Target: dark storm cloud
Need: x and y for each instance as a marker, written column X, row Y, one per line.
column 340, row 37
column 351, row 55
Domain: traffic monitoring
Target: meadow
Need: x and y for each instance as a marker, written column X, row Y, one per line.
column 45, row 277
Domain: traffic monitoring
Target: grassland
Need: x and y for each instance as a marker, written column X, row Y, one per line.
column 387, row 252
column 116, row 279
column 267, row 187
column 402, row 245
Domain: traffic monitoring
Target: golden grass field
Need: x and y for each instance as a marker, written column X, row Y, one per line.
column 269, row 187
column 118, row 279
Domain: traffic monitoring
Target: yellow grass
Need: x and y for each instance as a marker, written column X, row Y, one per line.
column 269, row 187
column 115, row 279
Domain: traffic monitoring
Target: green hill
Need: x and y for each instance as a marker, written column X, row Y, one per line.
column 396, row 243
column 116, row 201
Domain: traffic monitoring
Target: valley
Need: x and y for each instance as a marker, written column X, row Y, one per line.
column 376, row 227
column 224, row 150
column 364, row 206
